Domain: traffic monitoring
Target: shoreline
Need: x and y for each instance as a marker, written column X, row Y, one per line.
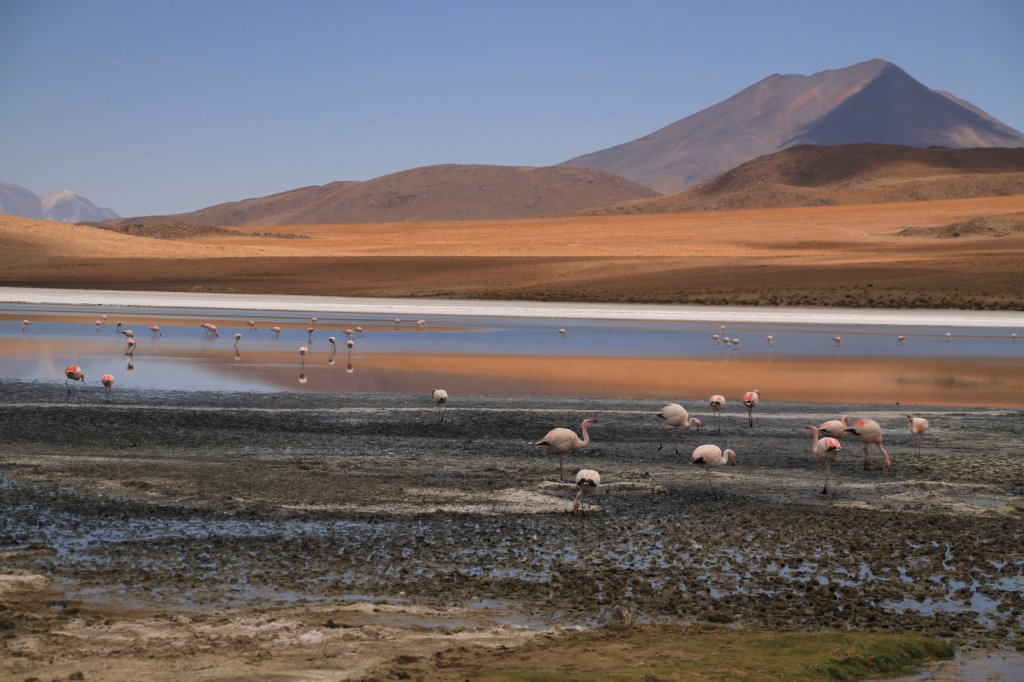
column 489, row 308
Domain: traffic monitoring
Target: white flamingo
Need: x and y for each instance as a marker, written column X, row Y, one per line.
column 717, row 402
column 277, row 332
column 587, row 483
column 771, row 341
column 562, row 440
column 826, row 450
column 25, row 324
column 440, row 398
column 712, row 456
column 918, row 427
column 676, row 416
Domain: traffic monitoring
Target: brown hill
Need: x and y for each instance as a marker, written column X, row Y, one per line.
column 873, row 101
column 446, row 192
column 847, row 174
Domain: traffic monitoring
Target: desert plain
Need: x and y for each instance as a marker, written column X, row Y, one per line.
column 845, row 255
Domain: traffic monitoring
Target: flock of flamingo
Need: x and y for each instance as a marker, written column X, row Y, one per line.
column 825, row 438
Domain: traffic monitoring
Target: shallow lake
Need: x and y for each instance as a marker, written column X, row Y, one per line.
column 518, row 355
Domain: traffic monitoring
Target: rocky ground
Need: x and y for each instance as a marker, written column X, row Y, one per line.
column 196, row 529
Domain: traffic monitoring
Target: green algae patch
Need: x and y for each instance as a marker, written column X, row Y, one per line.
column 695, row 653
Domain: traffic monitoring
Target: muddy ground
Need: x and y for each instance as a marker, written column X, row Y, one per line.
column 192, row 533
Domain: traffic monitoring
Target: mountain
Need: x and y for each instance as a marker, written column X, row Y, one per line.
column 874, row 101
column 64, row 206
column 445, row 192
column 808, row 175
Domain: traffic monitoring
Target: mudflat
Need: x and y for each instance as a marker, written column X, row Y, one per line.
column 870, row 255
column 240, row 534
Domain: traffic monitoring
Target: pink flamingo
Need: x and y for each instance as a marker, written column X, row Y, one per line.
column 99, row 323
column 676, row 416
column 717, row 402
column 750, row 399
column 108, row 382
column 252, row 325
column 277, row 332
column 156, row 330
column 835, row 427
column 562, row 440
column 131, row 346
column 74, row 373
column 587, row 483
column 918, row 426
column 826, row 450
column 869, row 431
column 837, row 341
column 712, row 456
column 351, row 344
column 309, row 334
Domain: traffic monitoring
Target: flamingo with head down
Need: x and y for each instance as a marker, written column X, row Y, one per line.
column 826, row 450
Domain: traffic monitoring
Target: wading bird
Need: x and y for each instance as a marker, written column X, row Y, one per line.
column 350, row 344
column 949, row 337
column 826, row 450
column 562, row 440
column 302, row 354
column 715, row 339
column 918, row 426
column 900, row 339
column 156, row 330
column 440, row 398
column 421, row 323
column 108, row 383
column 25, row 324
column 118, row 327
column 717, row 402
column 750, row 399
column 99, row 323
column 252, row 325
column 309, row 334
column 334, row 343
column 73, row 373
column 771, row 341
column 587, row 483
column 130, row 350
column 712, row 456
column 238, row 338
column 837, row 341
column 869, row 431
column 835, row 427
column 128, row 333
column 676, row 416
column 561, row 332
column 359, row 330
column 277, row 332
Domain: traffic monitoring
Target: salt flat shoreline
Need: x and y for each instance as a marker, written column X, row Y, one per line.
column 486, row 308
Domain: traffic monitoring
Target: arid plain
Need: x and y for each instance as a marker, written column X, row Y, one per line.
column 849, row 255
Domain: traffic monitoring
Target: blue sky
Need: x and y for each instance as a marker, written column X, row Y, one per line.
column 153, row 106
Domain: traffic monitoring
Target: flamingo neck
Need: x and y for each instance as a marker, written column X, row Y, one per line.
column 586, row 434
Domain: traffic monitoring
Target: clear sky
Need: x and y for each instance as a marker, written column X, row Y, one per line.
column 161, row 106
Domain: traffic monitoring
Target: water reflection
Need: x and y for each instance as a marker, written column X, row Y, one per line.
column 522, row 356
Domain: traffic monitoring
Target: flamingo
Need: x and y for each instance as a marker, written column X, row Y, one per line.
column 712, row 456
column 949, row 337
column 334, row 343
column 562, row 440
column 309, row 334
column 900, row 339
column 735, row 344
column 421, row 323
column 1013, row 336
column 302, row 354
column 351, row 344
column 721, row 330
column 750, row 399
column 837, row 341
column 131, row 366
column 252, row 325
column 25, row 325
column 131, row 347
column 918, row 426
column 715, row 338
column 347, row 332
column 771, row 341
column 561, row 332
column 238, row 338
column 397, row 322
column 73, row 373
column 118, row 327
column 587, row 483
column 359, row 330
column 726, row 341
column 128, row 333
column 277, row 332
column 869, row 431
column 440, row 397
column 717, row 402
column 99, row 323
column 108, row 382
column 156, row 330
column 835, row 427
column 825, row 449
column 675, row 415
column 314, row 320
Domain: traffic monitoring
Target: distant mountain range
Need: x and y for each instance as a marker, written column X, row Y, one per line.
column 874, row 101
column 64, row 206
column 851, row 115
column 447, row 192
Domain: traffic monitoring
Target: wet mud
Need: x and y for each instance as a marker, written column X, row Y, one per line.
column 205, row 502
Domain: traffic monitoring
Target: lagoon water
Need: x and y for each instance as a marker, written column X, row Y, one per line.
column 518, row 350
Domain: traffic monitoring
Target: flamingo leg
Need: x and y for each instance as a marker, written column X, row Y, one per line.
column 750, row 417
column 677, row 441
column 561, row 468
column 718, row 422
column 828, row 470
column 661, row 443
column 866, row 465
